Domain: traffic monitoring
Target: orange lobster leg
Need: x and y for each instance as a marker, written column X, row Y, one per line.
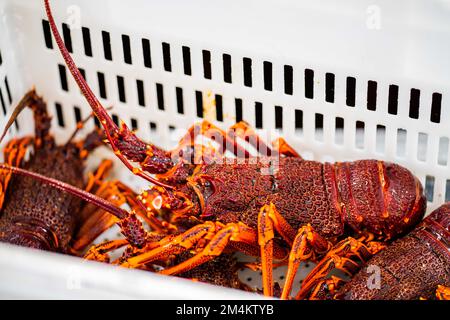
column 306, row 245
column 342, row 257
column 282, row 147
column 245, row 132
column 325, row 288
column 100, row 252
column 443, row 293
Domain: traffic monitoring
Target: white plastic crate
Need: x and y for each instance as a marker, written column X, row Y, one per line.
column 339, row 80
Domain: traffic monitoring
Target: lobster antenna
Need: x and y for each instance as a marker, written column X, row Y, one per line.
column 86, row 196
column 106, row 121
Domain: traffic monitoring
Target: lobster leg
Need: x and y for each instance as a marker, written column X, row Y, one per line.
column 306, row 245
column 100, row 252
column 342, row 257
column 125, row 144
column 245, row 132
column 282, row 147
column 14, row 153
column 443, row 293
column 326, row 288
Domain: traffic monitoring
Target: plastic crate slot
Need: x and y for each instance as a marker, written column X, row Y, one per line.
column 146, row 53
column 87, row 41
column 140, row 92
column 59, row 115
column 219, row 107
column 422, row 143
column 447, row 191
column 318, row 122
column 134, row 124
column 160, row 96
column 401, row 142
column 121, row 88
column 350, row 95
column 83, row 73
column 106, row 39
column 278, row 117
column 8, row 91
column 298, row 121
column 180, row 102
column 329, row 87
column 187, row 68
column 393, row 99
column 247, row 64
column 77, row 114
column 380, row 138
column 166, row 56
column 309, row 83
column 288, row 80
column 63, row 77
column 372, row 87
column 267, row 69
column 101, row 84
column 47, row 34
column 1, row 59
column 443, row 151
column 206, row 55
column 153, row 127
column 115, row 119
column 339, row 131
column 227, row 68
column 414, row 103
column 429, row 188
column 436, row 101
column 199, row 103
column 2, row 101
column 258, row 115
column 67, row 37
column 238, row 109
column 97, row 122
column 359, row 134
column 171, row 128
column 126, row 49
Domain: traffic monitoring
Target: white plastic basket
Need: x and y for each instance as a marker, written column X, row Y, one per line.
column 339, row 80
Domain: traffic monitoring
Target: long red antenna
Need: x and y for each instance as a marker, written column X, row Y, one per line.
column 108, row 124
column 89, row 197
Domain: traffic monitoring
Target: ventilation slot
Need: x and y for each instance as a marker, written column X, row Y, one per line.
column 329, row 87
column 258, row 115
column 219, row 107
column 267, row 68
column 153, row 127
column 238, row 109
column 319, row 126
column 199, row 103
column 67, row 37
column 77, row 114
column 227, row 68
column 372, row 95
column 59, row 115
column 309, row 83
column 121, row 88
column 126, row 49
column 2, row 101
column 447, row 191
column 359, row 134
column 381, row 138
column 393, row 99
column 101, row 85
column 436, row 101
column 443, row 151
column 107, row 45
column 134, row 124
column 429, row 188
column 87, row 41
column 115, row 119
column 401, row 142
column 146, row 53
column 8, row 92
column 414, row 103
column 247, row 62
column 339, row 132
column 351, row 91
column 140, row 92
column 166, row 56
column 288, row 80
column 160, row 96
column 278, row 117
column 422, row 143
column 206, row 64
column 1, row 59
column 187, row 61
column 63, row 77
column 47, row 34
column 180, row 103
column 83, row 73
column 298, row 121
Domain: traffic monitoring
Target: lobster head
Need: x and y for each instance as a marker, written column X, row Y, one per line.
column 380, row 197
